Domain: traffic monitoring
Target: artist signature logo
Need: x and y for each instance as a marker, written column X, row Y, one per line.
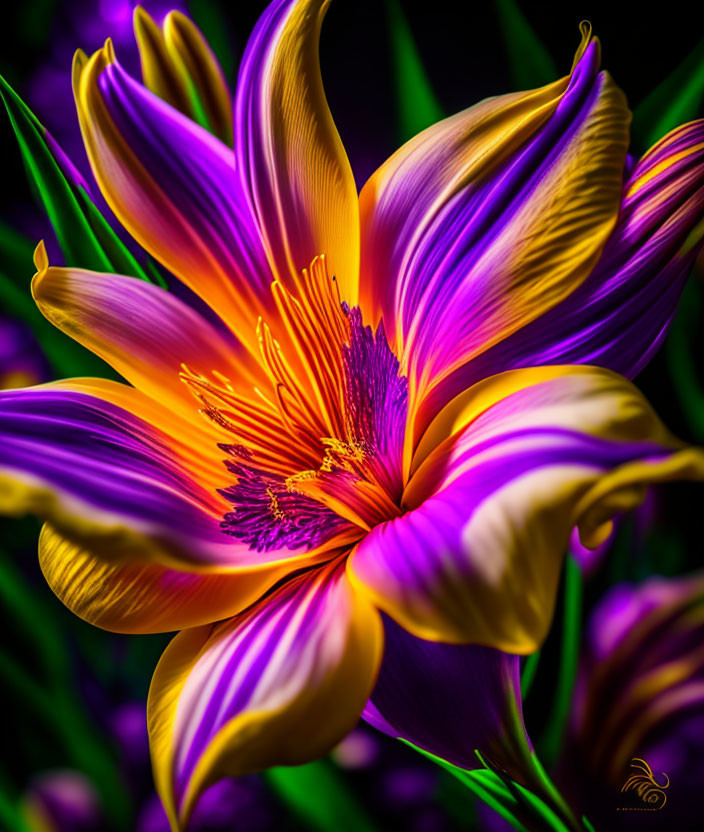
column 646, row 787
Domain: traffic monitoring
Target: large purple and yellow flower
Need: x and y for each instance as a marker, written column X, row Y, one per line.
column 400, row 384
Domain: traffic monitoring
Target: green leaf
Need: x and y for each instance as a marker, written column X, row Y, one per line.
column 416, row 104
column 530, row 62
column 84, row 235
column 515, row 803
column 32, row 620
column 484, row 784
column 676, row 100
column 319, row 797
column 540, row 810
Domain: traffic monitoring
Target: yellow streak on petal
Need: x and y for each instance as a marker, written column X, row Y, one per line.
column 666, row 163
column 190, row 51
column 312, row 203
column 161, row 75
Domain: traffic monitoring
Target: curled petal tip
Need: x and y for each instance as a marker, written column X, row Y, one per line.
column 80, row 59
column 585, row 29
column 175, row 18
column 141, row 17
column 144, row 26
column 109, row 51
column 41, row 260
column 41, row 263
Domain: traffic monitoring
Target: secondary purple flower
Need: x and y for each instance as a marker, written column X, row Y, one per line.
column 21, row 359
column 641, row 695
column 385, row 448
column 62, row 801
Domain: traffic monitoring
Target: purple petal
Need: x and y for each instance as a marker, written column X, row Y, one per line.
column 293, row 165
column 449, row 699
column 640, row 694
column 63, row 801
column 485, row 220
column 619, row 316
column 103, row 456
column 175, row 188
column 526, row 457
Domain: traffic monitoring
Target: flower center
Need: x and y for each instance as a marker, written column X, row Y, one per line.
column 318, row 455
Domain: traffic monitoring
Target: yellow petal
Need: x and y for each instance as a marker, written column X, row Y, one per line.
column 279, row 684
column 300, row 181
column 136, row 594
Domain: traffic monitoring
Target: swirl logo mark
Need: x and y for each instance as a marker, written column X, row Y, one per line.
column 646, row 787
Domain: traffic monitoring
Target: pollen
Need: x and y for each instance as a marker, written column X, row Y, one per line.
column 274, row 508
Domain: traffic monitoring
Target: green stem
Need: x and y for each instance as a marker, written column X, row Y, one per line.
column 553, row 736
column 530, row 668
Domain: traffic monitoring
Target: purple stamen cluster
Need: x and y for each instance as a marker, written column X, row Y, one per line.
column 376, row 400
column 269, row 515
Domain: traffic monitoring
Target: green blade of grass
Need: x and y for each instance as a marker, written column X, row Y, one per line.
column 676, row 100
column 416, row 104
column 319, row 797
column 530, row 62
column 85, row 237
column 552, row 739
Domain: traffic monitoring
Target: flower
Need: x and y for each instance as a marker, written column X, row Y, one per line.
column 21, row 360
column 62, row 801
column 400, row 384
column 640, row 696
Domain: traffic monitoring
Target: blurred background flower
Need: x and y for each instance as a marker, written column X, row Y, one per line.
column 640, row 694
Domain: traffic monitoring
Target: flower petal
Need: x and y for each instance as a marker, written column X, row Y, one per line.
column 160, row 73
column 179, row 67
column 642, row 672
column 619, row 316
column 98, row 472
column 103, row 475
column 279, row 684
column 423, row 695
column 175, row 188
column 191, row 51
column 482, row 222
column 528, row 455
column 127, row 595
column 296, row 173
column 144, row 332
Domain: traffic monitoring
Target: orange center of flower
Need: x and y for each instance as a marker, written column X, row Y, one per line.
column 318, row 454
